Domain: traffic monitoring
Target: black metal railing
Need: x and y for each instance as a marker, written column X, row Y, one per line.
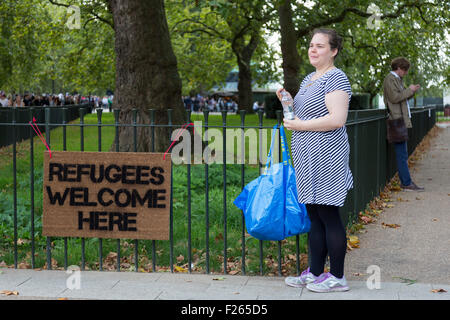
column 372, row 163
column 22, row 115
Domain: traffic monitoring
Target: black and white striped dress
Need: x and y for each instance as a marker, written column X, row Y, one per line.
column 321, row 159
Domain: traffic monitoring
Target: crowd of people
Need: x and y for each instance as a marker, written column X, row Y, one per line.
column 51, row 100
column 213, row 103
column 196, row 103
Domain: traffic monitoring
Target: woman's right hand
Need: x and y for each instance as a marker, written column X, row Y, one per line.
column 279, row 93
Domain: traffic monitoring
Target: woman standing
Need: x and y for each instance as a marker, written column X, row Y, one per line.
column 320, row 152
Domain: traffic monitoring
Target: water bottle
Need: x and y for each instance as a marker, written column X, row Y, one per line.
column 287, row 103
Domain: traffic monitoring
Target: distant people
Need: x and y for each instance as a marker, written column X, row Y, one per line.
column 27, row 100
column 104, row 102
column 261, row 106
column 45, row 100
column 188, row 103
column 4, row 102
column 256, row 106
column 201, row 102
column 18, row 102
column 212, row 104
column 196, row 104
column 220, row 104
column 234, row 106
column 396, row 100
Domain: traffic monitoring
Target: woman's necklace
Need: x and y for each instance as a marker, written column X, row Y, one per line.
column 311, row 82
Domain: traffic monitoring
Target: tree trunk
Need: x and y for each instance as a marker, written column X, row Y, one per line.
column 245, row 93
column 291, row 58
column 146, row 72
column 244, row 53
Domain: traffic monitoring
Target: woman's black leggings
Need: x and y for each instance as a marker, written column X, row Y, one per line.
column 327, row 236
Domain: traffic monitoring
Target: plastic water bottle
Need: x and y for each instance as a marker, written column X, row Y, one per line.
column 287, row 103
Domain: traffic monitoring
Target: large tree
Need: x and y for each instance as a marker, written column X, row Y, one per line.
column 146, row 75
column 146, row 71
column 23, row 30
column 202, row 62
column 240, row 24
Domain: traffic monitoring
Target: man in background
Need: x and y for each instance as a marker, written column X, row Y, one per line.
column 396, row 100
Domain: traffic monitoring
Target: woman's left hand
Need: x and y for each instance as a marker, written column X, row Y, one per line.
column 295, row 124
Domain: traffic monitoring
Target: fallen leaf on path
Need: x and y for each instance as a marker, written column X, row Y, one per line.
column 438, row 290
column 63, row 298
column 9, row 293
column 434, row 219
column 352, row 242
column 389, row 206
column 366, row 219
column 390, row 225
column 357, row 274
column 407, row 281
column 179, row 269
column 219, row 278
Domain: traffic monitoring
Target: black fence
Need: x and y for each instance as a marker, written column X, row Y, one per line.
column 25, row 114
column 372, row 163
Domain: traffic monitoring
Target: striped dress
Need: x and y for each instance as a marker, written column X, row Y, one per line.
column 321, row 159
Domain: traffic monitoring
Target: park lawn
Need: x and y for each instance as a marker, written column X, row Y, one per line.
column 180, row 211
column 440, row 117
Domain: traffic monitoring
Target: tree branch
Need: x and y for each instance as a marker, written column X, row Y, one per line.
column 363, row 46
column 206, row 27
column 59, row 4
column 421, row 15
column 341, row 17
column 196, row 31
column 110, row 23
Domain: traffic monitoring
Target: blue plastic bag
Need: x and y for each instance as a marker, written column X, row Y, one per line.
column 269, row 203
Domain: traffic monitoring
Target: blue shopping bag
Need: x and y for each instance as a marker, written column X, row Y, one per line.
column 269, row 203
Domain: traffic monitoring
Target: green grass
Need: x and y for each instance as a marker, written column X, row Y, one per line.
column 440, row 117
column 180, row 206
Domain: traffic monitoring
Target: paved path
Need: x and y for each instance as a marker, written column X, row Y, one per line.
column 418, row 250
column 413, row 259
column 48, row 284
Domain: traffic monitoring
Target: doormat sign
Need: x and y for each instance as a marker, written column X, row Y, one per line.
column 115, row 195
